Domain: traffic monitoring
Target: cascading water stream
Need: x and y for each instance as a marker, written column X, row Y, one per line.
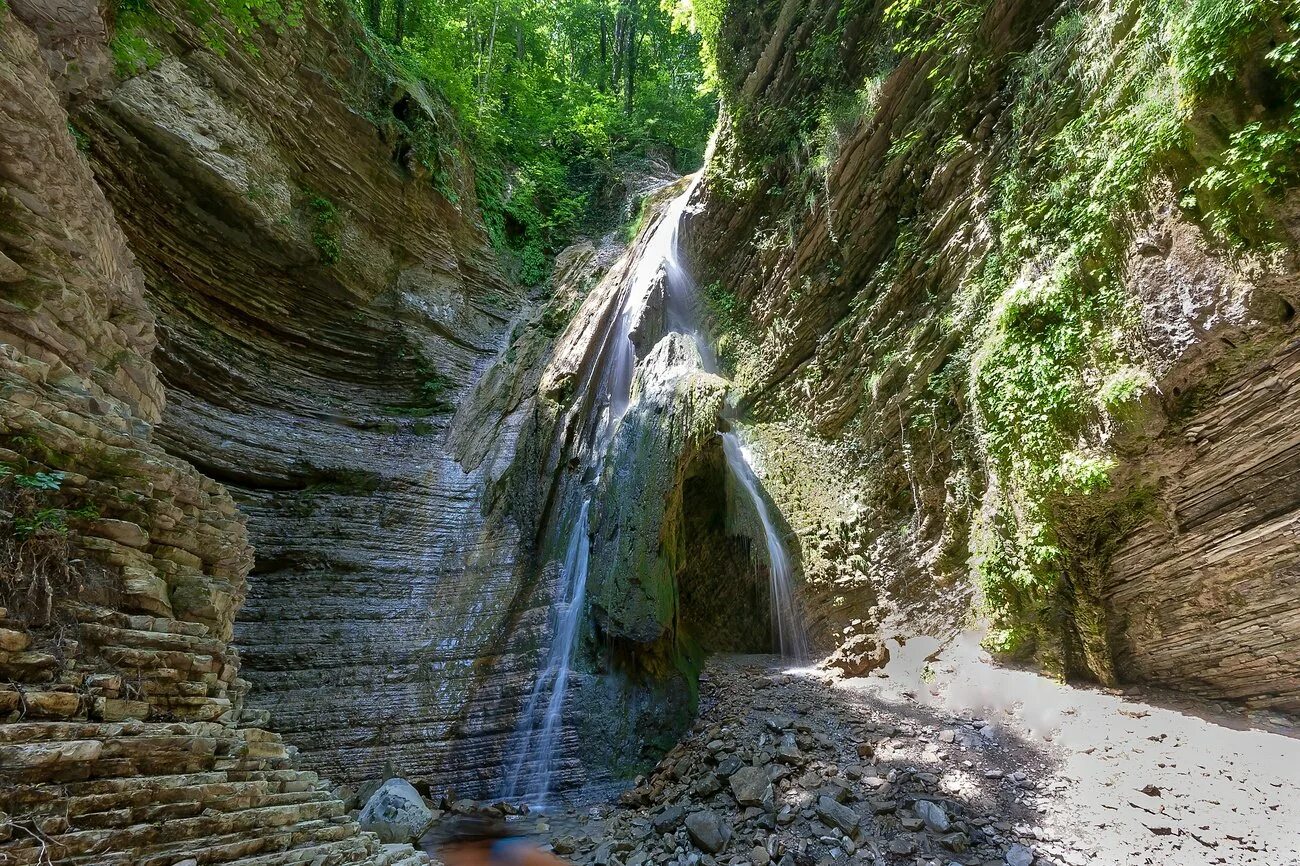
column 606, row 390
column 538, row 745
column 791, row 637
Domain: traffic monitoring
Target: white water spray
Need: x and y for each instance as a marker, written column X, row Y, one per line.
column 606, row 390
column 791, row 638
column 538, row 745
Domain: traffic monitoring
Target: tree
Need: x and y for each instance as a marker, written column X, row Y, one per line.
column 551, row 95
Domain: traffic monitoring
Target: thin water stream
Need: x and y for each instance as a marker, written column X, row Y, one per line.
column 790, row 636
column 535, row 750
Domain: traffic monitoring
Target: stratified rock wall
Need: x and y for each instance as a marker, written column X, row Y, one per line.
column 1207, row 597
column 123, row 734
column 850, row 227
column 322, row 306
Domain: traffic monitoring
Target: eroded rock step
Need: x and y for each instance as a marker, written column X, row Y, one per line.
column 158, row 794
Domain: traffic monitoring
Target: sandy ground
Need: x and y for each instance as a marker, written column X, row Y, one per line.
column 1125, row 778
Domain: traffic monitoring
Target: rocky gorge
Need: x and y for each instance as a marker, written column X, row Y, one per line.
column 298, row 475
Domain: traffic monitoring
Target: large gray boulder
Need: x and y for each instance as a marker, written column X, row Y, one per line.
column 396, row 812
column 751, row 786
column 838, row 815
column 708, row 831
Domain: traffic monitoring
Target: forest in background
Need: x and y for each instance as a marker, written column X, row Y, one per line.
column 557, row 99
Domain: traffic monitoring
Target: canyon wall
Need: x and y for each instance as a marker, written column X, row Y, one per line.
column 325, row 292
column 302, row 327
column 124, row 732
column 1003, row 298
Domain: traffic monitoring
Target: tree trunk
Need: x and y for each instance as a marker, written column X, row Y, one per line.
column 620, row 40
column 629, row 76
column 492, row 42
column 399, row 22
column 604, row 51
column 374, row 9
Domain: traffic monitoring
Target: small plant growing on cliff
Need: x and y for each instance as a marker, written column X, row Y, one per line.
column 326, row 228
column 725, row 307
column 82, row 140
column 36, row 563
column 216, row 17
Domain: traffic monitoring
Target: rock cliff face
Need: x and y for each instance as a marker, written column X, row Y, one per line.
column 989, row 313
column 249, row 305
column 321, row 306
column 125, row 735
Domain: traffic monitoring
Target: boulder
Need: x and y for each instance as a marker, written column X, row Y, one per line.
column 751, row 786
column 837, row 815
column 860, row 655
column 932, row 814
column 1019, row 855
column 396, row 813
column 708, row 831
column 707, row 785
column 666, row 819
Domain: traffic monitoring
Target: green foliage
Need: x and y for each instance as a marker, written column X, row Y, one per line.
column 134, row 48
column 36, row 566
column 36, row 481
column 633, row 227
column 245, row 17
column 133, row 51
column 29, row 501
column 326, row 228
column 82, row 140
column 923, row 26
column 1210, row 39
column 1212, row 42
column 553, row 98
column 732, row 331
column 1053, row 368
column 726, row 309
column 704, row 18
column 430, row 397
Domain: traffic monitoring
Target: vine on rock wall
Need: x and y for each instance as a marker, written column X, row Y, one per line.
column 1054, row 367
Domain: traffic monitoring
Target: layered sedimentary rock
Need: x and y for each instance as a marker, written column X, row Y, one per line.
column 1207, row 597
column 123, row 729
column 322, row 303
column 882, row 230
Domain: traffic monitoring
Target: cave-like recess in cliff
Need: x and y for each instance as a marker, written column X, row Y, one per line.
column 723, row 603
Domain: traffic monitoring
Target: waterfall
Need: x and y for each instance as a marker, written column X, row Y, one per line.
column 605, row 396
column 538, row 745
column 791, row 638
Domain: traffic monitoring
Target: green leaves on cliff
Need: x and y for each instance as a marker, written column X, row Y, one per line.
column 1262, row 159
column 36, row 565
column 137, row 26
column 922, row 26
column 326, row 228
column 1076, row 130
column 132, row 49
column 1057, row 371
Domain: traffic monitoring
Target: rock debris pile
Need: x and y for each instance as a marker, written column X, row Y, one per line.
column 780, row 770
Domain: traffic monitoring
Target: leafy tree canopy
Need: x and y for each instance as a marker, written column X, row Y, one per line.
column 555, row 97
